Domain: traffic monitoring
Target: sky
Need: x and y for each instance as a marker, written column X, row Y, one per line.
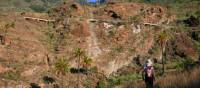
column 92, row 0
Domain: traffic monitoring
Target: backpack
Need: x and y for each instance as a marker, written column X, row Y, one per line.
column 149, row 71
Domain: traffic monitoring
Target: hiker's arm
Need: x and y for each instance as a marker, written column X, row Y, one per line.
column 143, row 75
column 154, row 75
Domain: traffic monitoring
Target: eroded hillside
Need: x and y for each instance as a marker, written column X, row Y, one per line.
column 118, row 37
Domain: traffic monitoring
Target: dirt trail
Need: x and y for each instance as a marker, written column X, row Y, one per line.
column 93, row 47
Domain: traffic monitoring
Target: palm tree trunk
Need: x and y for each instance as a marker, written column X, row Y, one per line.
column 163, row 66
column 78, row 72
column 163, row 57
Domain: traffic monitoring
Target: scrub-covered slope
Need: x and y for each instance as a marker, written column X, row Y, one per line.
column 77, row 45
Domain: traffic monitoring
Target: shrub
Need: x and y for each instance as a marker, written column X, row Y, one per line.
column 118, row 80
column 88, row 84
column 52, row 39
column 38, row 8
column 101, row 84
column 10, row 75
column 94, row 69
column 111, row 33
column 185, row 64
column 28, row 1
column 135, row 19
column 62, row 66
column 118, row 49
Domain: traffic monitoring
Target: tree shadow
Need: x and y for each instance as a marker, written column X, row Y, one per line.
column 76, row 70
column 34, row 85
column 48, row 80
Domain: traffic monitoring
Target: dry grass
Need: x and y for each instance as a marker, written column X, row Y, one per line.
column 188, row 79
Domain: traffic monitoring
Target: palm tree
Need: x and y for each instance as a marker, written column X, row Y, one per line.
column 162, row 39
column 62, row 66
column 87, row 62
column 78, row 54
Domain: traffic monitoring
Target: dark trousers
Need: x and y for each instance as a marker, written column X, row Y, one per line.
column 149, row 82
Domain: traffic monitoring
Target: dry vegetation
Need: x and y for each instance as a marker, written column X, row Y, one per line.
column 187, row 79
column 34, row 51
column 180, row 79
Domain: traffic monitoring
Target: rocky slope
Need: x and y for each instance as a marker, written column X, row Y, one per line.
column 114, row 36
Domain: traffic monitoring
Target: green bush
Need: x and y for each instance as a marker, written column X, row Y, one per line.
column 28, row 1
column 157, row 66
column 10, row 75
column 118, row 80
column 101, row 84
column 38, row 8
column 94, row 69
column 62, row 66
column 185, row 64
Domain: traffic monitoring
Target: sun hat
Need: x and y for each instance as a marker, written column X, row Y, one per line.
column 149, row 62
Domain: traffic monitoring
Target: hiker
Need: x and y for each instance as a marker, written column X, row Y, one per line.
column 148, row 74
